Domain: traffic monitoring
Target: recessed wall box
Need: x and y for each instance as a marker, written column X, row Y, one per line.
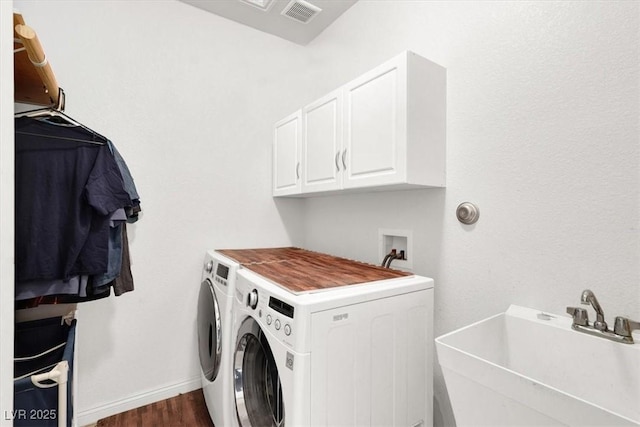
column 400, row 240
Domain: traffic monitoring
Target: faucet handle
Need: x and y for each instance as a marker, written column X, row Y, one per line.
column 580, row 316
column 624, row 326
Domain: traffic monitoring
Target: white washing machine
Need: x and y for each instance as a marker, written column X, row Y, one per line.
column 346, row 356
column 215, row 348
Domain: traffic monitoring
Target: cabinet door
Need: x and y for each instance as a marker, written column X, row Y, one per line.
column 286, row 155
column 322, row 144
column 375, row 129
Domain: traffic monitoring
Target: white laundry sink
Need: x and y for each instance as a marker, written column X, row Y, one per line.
column 528, row 368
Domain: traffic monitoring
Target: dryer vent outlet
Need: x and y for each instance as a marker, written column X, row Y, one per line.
column 301, row 11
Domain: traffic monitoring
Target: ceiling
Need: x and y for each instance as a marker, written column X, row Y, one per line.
column 272, row 21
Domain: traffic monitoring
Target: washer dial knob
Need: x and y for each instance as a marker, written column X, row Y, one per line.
column 287, row 329
column 252, row 299
column 209, row 267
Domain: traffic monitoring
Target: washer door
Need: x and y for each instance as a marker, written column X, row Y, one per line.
column 257, row 384
column 209, row 331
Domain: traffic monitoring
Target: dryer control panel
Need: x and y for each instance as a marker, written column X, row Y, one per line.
column 221, row 274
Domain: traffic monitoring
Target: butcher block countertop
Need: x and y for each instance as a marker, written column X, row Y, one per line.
column 299, row 270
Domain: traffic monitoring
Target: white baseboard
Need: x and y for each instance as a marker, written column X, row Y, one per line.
column 93, row 415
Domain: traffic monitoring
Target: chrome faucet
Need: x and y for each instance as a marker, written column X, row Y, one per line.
column 622, row 327
column 589, row 297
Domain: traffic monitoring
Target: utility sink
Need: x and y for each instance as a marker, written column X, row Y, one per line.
column 524, row 367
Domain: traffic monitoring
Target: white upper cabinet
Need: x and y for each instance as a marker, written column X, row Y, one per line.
column 286, row 155
column 384, row 130
column 375, row 129
column 322, row 144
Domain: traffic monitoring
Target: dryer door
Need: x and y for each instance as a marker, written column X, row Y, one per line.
column 257, row 384
column 209, row 331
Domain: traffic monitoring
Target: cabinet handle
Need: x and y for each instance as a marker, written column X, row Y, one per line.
column 336, row 159
column 298, row 170
column 344, row 161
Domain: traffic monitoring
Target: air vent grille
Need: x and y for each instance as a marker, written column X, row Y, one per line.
column 263, row 5
column 301, row 11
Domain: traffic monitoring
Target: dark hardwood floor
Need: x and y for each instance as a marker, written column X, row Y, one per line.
column 184, row 410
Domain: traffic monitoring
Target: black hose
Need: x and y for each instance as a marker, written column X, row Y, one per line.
column 394, row 256
column 391, row 258
column 386, row 258
column 384, row 261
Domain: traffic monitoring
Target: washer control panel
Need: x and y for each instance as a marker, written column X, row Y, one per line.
column 279, row 326
column 271, row 310
column 283, row 311
column 276, row 314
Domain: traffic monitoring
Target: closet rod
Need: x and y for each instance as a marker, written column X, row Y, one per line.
column 34, row 49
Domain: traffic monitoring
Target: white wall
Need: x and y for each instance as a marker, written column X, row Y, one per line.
column 6, row 213
column 189, row 99
column 543, row 134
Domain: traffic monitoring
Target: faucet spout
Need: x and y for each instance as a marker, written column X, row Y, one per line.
column 588, row 297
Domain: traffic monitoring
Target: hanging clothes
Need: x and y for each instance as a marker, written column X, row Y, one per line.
column 74, row 193
column 129, row 185
column 77, row 285
column 124, row 282
column 118, row 230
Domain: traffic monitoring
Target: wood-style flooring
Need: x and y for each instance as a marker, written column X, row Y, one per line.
column 184, row 410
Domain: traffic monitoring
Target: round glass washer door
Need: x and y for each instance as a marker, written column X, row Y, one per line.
column 209, row 331
column 258, row 390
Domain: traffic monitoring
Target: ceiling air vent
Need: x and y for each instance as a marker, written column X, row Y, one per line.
column 263, row 5
column 301, row 11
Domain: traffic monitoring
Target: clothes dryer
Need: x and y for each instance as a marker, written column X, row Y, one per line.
column 348, row 356
column 215, row 319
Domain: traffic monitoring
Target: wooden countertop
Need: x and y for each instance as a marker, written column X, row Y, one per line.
column 299, row 270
